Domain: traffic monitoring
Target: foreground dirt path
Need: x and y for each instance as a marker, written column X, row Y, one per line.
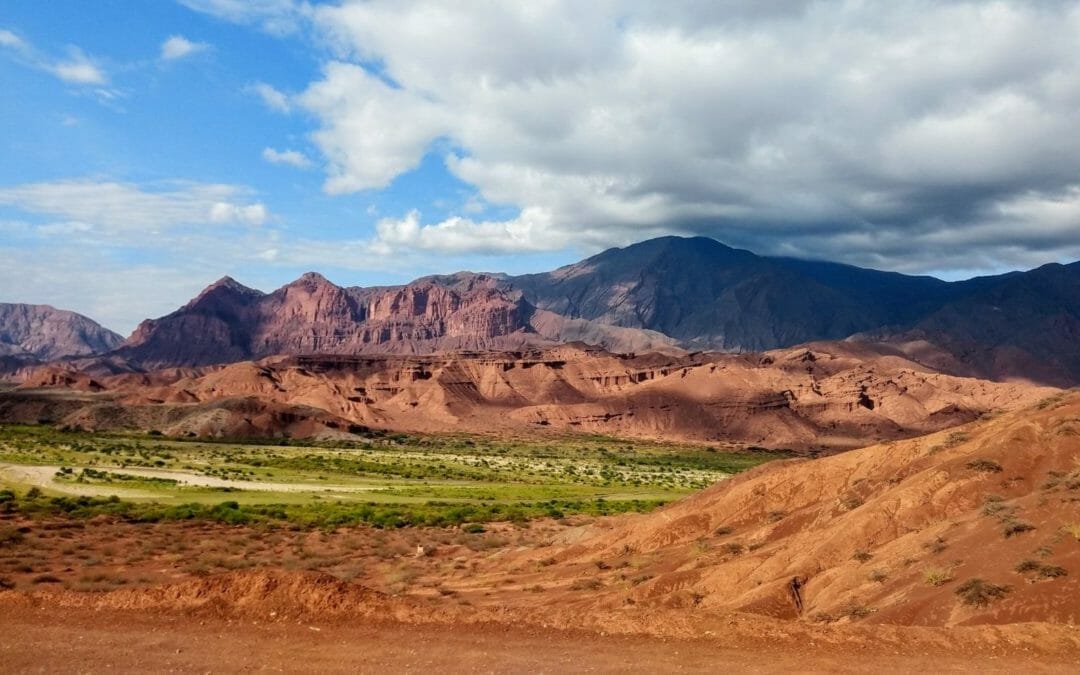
column 87, row 641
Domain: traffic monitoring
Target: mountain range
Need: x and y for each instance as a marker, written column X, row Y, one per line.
column 667, row 294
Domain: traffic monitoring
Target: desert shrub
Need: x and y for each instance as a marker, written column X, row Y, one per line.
column 776, row 516
column 879, row 576
column 586, row 585
column 982, row 464
column 862, row 556
column 851, row 502
column 978, row 592
column 1040, row 569
column 733, row 548
column 1052, row 571
column 937, row 576
column 46, row 579
column 937, row 545
column 996, row 508
column 1015, row 527
column 723, row 530
column 856, row 611
column 1073, row 530
column 9, row 536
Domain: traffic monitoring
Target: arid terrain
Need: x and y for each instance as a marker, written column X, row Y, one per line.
column 953, row 551
column 825, row 396
column 496, row 473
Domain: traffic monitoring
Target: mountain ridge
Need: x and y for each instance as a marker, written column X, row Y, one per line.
column 666, row 294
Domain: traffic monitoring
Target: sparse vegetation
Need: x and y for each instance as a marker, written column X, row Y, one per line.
column 1040, row 569
column 978, row 592
column 937, row 576
column 586, row 585
column 985, row 465
column 1015, row 527
column 776, row 516
column 1073, row 530
column 937, row 545
column 732, row 548
column 862, row 556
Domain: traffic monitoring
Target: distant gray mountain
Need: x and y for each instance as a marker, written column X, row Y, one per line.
column 44, row 333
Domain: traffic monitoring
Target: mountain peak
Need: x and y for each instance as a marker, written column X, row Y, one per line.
column 227, row 282
column 311, row 279
column 225, row 286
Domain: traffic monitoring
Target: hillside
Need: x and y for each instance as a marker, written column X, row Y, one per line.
column 895, row 533
column 829, row 396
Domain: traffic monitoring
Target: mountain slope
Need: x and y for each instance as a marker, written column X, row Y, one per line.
column 710, row 296
column 1021, row 325
column 44, row 333
column 891, row 533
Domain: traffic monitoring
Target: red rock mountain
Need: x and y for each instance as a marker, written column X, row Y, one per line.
column 229, row 322
column 43, row 333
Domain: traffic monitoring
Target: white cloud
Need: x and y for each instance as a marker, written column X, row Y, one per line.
column 78, row 69
column 67, row 227
column 178, row 46
column 12, row 41
column 130, row 208
column 274, row 99
column 288, row 157
column 528, row 232
column 279, row 17
column 821, row 129
column 252, row 214
column 371, row 131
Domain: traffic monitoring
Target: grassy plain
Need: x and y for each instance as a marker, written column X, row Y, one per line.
column 387, row 480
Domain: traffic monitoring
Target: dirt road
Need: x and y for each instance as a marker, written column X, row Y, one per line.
column 87, row 641
column 42, row 476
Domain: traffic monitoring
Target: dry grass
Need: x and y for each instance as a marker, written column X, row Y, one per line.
column 937, row 576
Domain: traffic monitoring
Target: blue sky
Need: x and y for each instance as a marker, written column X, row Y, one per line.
column 152, row 147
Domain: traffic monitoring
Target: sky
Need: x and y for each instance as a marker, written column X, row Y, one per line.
column 151, row 148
